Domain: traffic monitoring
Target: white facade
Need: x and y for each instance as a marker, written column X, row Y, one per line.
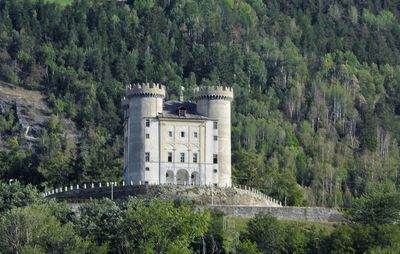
column 177, row 142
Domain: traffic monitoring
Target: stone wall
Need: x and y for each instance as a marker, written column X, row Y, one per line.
column 286, row 213
column 241, row 202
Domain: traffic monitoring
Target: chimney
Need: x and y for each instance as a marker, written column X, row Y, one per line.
column 181, row 94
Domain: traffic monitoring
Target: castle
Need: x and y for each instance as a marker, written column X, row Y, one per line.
column 177, row 142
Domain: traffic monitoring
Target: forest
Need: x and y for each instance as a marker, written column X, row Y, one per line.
column 315, row 120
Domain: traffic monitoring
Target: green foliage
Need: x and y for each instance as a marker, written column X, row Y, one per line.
column 18, row 195
column 34, row 228
column 159, row 226
column 376, row 209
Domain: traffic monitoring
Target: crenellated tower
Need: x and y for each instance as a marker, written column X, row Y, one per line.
column 215, row 103
column 143, row 103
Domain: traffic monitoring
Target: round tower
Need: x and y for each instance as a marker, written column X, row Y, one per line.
column 144, row 102
column 215, row 103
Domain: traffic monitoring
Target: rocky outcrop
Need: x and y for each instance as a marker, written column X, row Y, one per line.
column 31, row 111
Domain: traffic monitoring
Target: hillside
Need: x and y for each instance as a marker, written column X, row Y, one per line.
column 316, row 114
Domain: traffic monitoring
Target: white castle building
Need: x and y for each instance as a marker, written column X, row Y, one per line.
column 177, row 142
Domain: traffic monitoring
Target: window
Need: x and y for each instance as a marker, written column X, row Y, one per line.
column 195, row 134
column 147, row 135
column 182, row 134
column 147, row 156
column 215, row 138
column 147, row 169
column 170, row 133
column 194, row 157
column 182, row 157
column 215, row 159
column 215, row 170
column 169, row 156
column 215, row 125
column 147, row 123
column 146, row 182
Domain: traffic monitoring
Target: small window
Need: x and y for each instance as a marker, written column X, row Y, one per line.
column 215, row 159
column 147, row 169
column 147, row 135
column 169, row 156
column 215, row 138
column 195, row 134
column 215, row 170
column 147, row 123
column 146, row 182
column 215, row 125
column 194, row 157
column 147, row 156
column 182, row 134
column 182, row 157
column 170, row 133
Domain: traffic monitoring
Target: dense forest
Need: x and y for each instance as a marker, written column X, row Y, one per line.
column 317, row 87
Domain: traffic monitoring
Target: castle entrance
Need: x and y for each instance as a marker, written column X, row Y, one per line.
column 182, row 177
column 195, row 178
column 169, row 177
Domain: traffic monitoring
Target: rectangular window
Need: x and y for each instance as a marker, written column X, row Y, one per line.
column 170, row 133
column 215, row 159
column 215, row 170
column 147, row 169
column 215, row 138
column 147, row 156
column 194, row 157
column 182, row 134
column 169, row 156
column 147, row 123
column 195, row 134
column 182, row 157
column 147, row 135
column 215, row 125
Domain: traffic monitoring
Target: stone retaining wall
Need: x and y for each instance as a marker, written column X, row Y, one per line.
column 286, row 213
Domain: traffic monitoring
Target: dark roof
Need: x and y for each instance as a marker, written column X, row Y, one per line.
column 171, row 108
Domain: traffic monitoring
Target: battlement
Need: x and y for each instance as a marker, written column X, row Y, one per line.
column 213, row 93
column 146, row 90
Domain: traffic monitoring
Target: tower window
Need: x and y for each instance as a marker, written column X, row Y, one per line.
column 215, row 170
column 194, row 157
column 215, row 159
column 182, row 134
column 182, row 157
column 170, row 133
column 195, row 134
column 147, row 123
column 147, row 156
column 147, row 169
column 215, row 125
column 147, row 135
column 215, row 138
column 169, row 156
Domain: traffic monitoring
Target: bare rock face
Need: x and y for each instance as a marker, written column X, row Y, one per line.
column 31, row 111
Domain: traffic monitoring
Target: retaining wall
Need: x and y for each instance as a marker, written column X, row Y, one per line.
column 286, row 213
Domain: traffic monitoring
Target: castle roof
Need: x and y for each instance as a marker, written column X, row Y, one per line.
column 171, row 110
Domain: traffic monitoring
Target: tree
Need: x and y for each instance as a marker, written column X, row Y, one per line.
column 35, row 228
column 376, row 208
